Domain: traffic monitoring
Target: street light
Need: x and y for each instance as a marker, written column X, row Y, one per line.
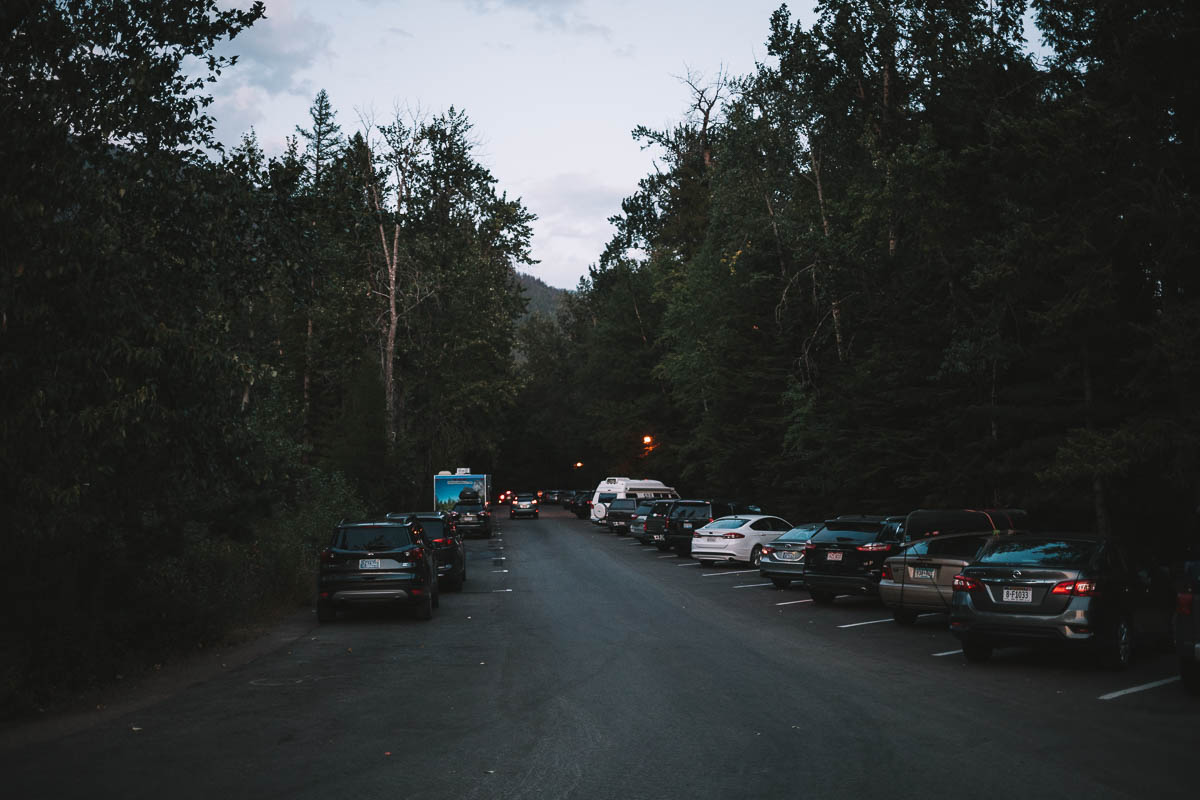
column 578, row 465
column 647, row 440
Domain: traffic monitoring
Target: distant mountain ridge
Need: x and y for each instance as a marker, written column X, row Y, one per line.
column 543, row 298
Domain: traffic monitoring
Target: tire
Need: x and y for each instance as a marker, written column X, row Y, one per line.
column 756, row 556
column 662, row 548
column 424, row 609
column 455, row 584
column 704, row 562
column 1189, row 674
column 904, row 616
column 1118, row 650
column 821, row 597
column 976, row 652
column 325, row 611
column 781, row 583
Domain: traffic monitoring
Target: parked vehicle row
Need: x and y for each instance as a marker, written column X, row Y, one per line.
column 403, row 560
column 998, row 583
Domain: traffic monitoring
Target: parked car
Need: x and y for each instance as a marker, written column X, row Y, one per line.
column 1077, row 590
column 920, row 578
column 523, row 505
column 943, row 521
column 847, row 555
column 783, row 559
column 1187, row 627
column 581, row 504
column 737, row 538
column 450, row 553
column 377, row 563
column 620, row 515
column 637, row 523
column 686, row 516
column 472, row 516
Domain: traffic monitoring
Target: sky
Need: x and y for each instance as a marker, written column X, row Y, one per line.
column 553, row 88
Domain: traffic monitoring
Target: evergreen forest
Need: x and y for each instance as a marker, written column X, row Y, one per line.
column 925, row 255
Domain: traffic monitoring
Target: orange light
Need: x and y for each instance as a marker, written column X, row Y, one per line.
column 647, row 439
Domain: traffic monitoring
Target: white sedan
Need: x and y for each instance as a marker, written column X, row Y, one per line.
column 736, row 538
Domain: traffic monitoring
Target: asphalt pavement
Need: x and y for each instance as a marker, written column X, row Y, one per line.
column 578, row 664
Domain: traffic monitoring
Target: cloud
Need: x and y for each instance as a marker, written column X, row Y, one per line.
column 274, row 52
column 557, row 15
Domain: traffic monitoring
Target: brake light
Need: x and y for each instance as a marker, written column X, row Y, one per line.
column 964, row 584
column 734, row 536
column 535, row 502
column 874, row 547
column 767, row 550
column 886, row 574
column 1076, row 588
column 810, row 546
column 1183, row 603
column 443, row 541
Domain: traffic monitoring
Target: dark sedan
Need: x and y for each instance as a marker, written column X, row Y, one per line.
column 783, row 559
column 847, row 555
column 1077, row 590
column 377, row 563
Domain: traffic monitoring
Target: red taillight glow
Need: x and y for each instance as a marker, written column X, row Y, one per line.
column 327, row 556
column 886, row 574
column 964, row 584
column 1183, row 603
column 767, row 550
column 810, row 546
column 734, row 536
column 874, row 547
column 1076, row 588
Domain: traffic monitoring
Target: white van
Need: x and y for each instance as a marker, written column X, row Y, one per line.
column 637, row 488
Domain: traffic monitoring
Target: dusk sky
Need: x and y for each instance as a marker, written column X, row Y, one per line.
column 553, row 88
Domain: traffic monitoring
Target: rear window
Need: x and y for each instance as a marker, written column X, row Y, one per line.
column 468, row 507
column 800, row 533
column 644, row 509
column 433, row 528
column 372, row 538
column 843, row 535
column 1038, row 552
column 965, row 547
column 622, row 505
column 607, row 497
column 726, row 522
column 693, row 511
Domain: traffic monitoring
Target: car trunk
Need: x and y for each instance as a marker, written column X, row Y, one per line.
column 1020, row 589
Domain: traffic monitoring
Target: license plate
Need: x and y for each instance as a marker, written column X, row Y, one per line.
column 833, row 555
column 687, row 526
column 786, row 556
column 369, row 563
column 923, row 572
column 658, row 537
column 1012, row 595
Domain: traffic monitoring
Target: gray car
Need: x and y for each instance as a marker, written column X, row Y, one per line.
column 920, row 578
column 1074, row 590
column 783, row 559
column 1187, row 627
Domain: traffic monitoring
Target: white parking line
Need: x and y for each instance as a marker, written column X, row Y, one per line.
column 499, row 570
column 729, row 572
column 1142, row 688
column 793, row 602
column 500, row 590
column 751, row 585
column 871, row 622
column 670, row 556
column 947, row 653
column 692, row 564
column 634, row 543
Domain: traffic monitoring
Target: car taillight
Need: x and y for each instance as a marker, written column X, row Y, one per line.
column 810, row 546
column 443, row 541
column 1076, row 588
column 535, row 502
column 874, row 547
column 767, row 550
column 886, row 574
column 327, row 556
column 1183, row 603
column 734, row 536
column 964, row 584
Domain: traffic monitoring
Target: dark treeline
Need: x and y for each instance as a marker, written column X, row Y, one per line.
column 907, row 263
column 206, row 361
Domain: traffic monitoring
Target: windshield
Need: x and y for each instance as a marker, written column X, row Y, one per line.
column 382, row 537
column 1039, row 552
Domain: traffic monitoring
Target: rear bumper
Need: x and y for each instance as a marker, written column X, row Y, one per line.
column 841, row 584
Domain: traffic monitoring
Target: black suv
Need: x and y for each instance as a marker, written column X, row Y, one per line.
column 471, row 516
column 655, row 530
column 447, row 543
column 687, row 515
column 846, row 557
column 620, row 513
column 377, row 563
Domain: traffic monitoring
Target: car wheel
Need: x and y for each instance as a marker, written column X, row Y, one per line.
column 781, row 583
column 662, row 548
column 977, row 652
column 455, row 584
column 1189, row 674
column 756, row 556
column 1118, row 653
column 325, row 611
column 423, row 610
column 821, row 598
column 904, row 616
column 704, row 562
